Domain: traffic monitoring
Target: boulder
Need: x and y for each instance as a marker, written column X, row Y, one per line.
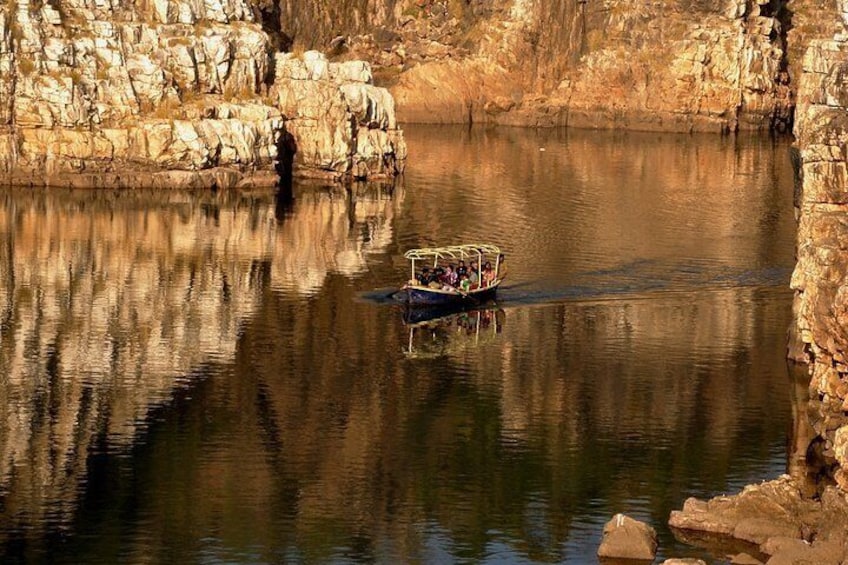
column 626, row 538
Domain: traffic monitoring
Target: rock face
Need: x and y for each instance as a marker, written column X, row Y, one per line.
column 821, row 274
column 179, row 93
column 685, row 65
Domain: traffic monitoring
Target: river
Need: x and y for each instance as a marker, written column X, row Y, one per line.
column 222, row 378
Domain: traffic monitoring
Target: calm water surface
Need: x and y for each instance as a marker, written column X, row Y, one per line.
column 219, row 378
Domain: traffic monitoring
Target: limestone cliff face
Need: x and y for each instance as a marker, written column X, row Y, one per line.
column 821, row 274
column 683, row 65
column 192, row 89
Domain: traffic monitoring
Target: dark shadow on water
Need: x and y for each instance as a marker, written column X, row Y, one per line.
column 286, row 149
column 718, row 545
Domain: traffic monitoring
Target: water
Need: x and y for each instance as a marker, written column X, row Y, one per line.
column 220, row 378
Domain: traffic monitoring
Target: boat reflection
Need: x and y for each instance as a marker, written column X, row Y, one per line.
column 450, row 333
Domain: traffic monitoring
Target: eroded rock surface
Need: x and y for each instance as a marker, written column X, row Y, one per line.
column 175, row 92
column 775, row 518
column 821, row 274
column 684, row 65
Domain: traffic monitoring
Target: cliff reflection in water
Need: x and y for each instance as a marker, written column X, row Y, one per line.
column 635, row 357
column 111, row 301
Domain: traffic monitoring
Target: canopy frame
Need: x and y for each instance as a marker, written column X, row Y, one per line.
column 469, row 250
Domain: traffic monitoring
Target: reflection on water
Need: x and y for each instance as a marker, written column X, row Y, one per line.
column 196, row 377
column 432, row 335
column 108, row 302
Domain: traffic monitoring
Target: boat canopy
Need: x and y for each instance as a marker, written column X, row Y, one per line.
column 452, row 252
column 475, row 251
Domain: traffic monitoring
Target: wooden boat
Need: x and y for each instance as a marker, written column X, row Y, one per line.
column 413, row 293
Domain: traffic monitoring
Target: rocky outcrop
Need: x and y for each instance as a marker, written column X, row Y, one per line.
column 776, row 520
column 339, row 122
column 821, row 274
column 175, row 93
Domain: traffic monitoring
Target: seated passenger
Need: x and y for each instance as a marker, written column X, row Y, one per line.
column 488, row 274
column 464, row 283
column 461, row 269
column 451, row 276
column 424, row 277
column 473, row 276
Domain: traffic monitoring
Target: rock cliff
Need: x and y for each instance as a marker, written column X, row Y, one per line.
column 821, row 274
column 211, row 93
column 178, row 93
column 684, row 65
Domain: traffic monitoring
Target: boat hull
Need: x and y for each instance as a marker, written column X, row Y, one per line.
column 426, row 297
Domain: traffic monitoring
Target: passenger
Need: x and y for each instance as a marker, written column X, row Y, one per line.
column 474, row 277
column 461, row 269
column 464, row 283
column 439, row 274
column 424, row 277
column 488, row 274
column 501, row 267
column 433, row 279
column 450, row 276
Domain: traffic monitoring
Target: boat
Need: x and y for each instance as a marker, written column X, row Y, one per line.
column 416, row 294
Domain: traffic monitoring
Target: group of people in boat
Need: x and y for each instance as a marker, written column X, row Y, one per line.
column 461, row 277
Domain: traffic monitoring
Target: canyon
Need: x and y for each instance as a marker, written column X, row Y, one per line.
column 232, row 93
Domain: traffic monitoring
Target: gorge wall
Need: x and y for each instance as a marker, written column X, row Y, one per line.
column 178, row 93
column 218, row 93
column 685, row 65
column 821, row 274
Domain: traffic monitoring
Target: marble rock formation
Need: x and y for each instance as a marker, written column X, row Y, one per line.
column 173, row 93
column 821, row 273
column 681, row 65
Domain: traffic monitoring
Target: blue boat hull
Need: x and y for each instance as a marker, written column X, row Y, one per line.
column 423, row 297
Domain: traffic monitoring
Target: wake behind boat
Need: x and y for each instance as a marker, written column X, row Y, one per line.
column 457, row 275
